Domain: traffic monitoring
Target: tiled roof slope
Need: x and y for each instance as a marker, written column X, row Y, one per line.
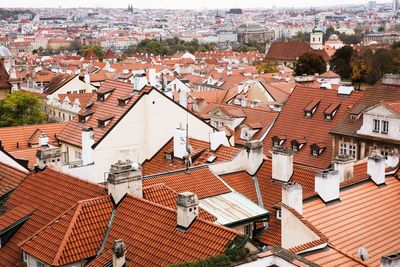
column 10, row 178
column 243, row 183
column 292, row 50
column 332, row 257
column 201, row 152
column 254, row 118
column 367, row 215
column 18, row 137
column 75, row 235
column 162, row 194
column 293, row 124
column 199, row 180
column 161, row 243
column 378, row 92
column 49, row 193
column 108, row 108
column 57, row 82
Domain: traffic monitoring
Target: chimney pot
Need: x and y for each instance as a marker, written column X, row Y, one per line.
column 255, row 156
column 48, row 156
column 292, row 196
column 282, row 164
column 87, row 143
column 119, row 252
column 327, row 185
column 187, row 209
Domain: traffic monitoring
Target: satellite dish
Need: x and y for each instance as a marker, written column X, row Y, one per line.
column 362, row 253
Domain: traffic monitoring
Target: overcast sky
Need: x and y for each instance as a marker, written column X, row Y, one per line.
column 175, row 4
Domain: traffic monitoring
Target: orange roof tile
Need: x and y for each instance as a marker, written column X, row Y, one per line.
column 10, row 178
column 332, row 257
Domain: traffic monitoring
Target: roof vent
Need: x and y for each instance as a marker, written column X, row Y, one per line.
column 362, row 253
column 345, row 90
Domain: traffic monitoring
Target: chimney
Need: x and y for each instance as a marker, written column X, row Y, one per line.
column 391, row 260
column 48, row 157
column 344, row 164
column 216, row 139
column 292, row 196
column 255, row 155
column 183, row 99
column 87, row 77
column 327, row 185
column 119, row 252
column 187, row 205
column 87, row 143
column 392, row 159
column 124, row 177
column 376, row 168
column 282, row 164
column 43, row 140
column 180, row 143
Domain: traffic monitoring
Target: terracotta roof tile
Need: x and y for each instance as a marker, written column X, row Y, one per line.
column 10, row 178
column 332, row 257
column 57, row 82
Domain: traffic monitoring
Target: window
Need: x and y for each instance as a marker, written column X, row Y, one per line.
column 278, row 214
column 353, row 150
column 25, row 256
column 376, row 125
column 385, row 127
column 39, row 264
column 343, row 149
column 78, row 155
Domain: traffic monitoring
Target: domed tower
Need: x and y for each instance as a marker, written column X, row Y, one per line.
column 6, row 57
column 316, row 36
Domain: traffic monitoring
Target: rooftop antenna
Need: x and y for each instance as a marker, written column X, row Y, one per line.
column 189, row 148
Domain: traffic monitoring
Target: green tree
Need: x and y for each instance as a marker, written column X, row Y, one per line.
column 21, row 108
column 309, row 63
column 396, row 45
column 359, row 69
column 381, row 29
column 94, row 48
column 340, row 62
column 267, row 66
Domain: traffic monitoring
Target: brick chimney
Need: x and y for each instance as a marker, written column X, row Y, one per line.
column 391, row 260
column 282, row 164
column 292, row 196
column 119, row 252
column 124, row 177
column 376, row 168
column 344, row 164
column 87, row 143
column 255, row 155
column 187, row 205
column 327, row 185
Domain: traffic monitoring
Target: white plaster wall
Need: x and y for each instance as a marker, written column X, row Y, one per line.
column 74, row 85
column 4, row 158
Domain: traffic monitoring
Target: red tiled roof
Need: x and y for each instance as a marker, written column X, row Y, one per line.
column 74, row 235
column 159, row 164
column 332, row 257
column 293, row 123
column 243, row 183
column 4, row 77
column 292, row 50
column 48, row 193
column 10, row 178
column 83, row 98
column 109, row 107
column 162, row 194
column 161, row 244
column 57, row 82
column 366, row 216
column 200, row 180
column 18, row 137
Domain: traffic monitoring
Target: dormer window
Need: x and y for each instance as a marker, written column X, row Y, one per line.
column 297, row 145
column 311, row 108
column 331, row 111
column 124, row 100
column 103, row 94
column 104, row 121
column 84, row 116
column 317, row 149
column 89, row 105
column 278, row 140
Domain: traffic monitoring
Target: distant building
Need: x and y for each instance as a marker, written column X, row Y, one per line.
column 381, row 37
column 371, row 4
column 236, row 11
column 316, row 37
column 395, row 6
column 252, row 31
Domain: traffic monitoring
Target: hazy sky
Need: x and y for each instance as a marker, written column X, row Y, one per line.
column 175, row 4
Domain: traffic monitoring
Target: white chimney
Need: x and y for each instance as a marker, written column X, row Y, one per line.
column 43, row 140
column 327, row 185
column 392, row 159
column 87, row 143
column 187, row 205
column 344, row 164
column 119, row 252
column 292, row 196
column 180, row 143
column 391, row 260
column 255, row 156
column 282, row 164
column 124, row 178
column 216, row 140
column 48, row 157
column 376, row 168
column 183, row 99
column 87, row 77
column 152, row 77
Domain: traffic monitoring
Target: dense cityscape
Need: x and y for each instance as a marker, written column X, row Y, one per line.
column 205, row 137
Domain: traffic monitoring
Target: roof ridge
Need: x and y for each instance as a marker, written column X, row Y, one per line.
column 162, row 174
column 345, row 254
column 68, row 233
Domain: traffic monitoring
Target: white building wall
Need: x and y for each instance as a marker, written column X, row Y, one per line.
column 74, row 86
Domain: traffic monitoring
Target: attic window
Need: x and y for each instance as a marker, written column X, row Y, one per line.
column 102, row 95
column 124, row 100
column 297, row 145
column 278, row 214
column 278, row 140
column 84, row 116
column 317, row 149
column 310, row 109
column 89, row 104
column 103, row 122
column 211, row 159
column 331, row 111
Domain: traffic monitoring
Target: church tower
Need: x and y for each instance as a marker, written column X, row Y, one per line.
column 316, row 36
